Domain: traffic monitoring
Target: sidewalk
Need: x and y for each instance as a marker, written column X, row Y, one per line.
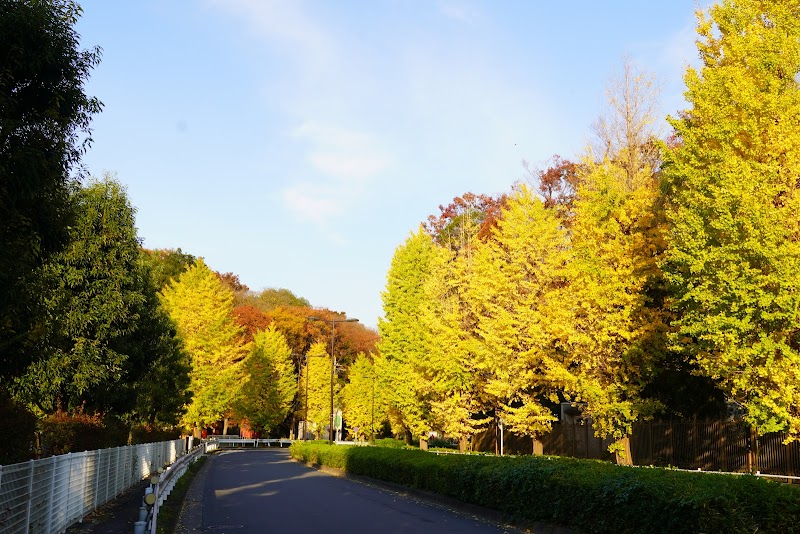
column 117, row 516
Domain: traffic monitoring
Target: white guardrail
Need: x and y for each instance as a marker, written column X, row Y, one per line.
column 252, row 442
column 47, row 496
column 162, row 484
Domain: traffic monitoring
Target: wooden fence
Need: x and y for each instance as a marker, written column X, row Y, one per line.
column 686, row 444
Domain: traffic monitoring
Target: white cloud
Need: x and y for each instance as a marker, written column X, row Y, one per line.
column 317, row 204
column 312, row 202
column 338, row 162
column 345, row 161
column 348, row 167
column 458, row 11
column 323, row 134
column 342, row 154
column 286, row 23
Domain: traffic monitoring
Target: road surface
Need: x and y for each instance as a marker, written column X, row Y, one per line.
column 265, row 491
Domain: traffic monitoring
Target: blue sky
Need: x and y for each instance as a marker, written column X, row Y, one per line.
column 298, row 143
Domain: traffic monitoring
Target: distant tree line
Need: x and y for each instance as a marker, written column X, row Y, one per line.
column 98, row 335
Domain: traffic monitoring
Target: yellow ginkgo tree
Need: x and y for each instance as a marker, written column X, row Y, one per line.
column 201, row 307
column 734, row 256
column 512, row 288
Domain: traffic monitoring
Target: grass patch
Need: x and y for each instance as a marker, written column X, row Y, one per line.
column 169, row 511
column 588, row 495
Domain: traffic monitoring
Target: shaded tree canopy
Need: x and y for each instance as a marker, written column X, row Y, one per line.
column 232, row 281
column 166, row 264
column 44, row 129
column 107, row 333
column 251, row 319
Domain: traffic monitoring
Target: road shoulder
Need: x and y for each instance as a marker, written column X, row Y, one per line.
column 190, row 518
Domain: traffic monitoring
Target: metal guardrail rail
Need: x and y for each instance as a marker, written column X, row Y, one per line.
column 257, row 442
column 47, row 496
column 165, row 482
column 253, row 442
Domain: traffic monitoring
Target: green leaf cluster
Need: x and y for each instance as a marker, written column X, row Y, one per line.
column 44, row 127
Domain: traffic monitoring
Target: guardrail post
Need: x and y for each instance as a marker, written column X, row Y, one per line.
column 54, row 461
column 110, row 456
column 30, row 496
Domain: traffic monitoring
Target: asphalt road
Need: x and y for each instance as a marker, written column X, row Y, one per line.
column 265, row 491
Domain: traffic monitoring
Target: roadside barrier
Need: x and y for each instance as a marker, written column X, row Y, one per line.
column 47, row 496
column 161, row 485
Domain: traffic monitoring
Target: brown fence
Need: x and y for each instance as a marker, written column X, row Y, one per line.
column 685, row 444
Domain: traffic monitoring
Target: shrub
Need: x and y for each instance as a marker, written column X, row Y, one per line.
column 18, row 443
column 143, row 434
column 77, row 431
column 320, row 453
column 588, row 495
column 390, row 443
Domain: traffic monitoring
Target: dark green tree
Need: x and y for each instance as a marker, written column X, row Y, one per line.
column 166, row 265
column 44, row 129
column 110, row 348
column 158, row 367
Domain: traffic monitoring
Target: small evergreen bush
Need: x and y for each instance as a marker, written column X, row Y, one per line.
column 588, row 495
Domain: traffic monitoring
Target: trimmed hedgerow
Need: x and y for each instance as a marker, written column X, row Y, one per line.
column 587, row 495
column 390, row 443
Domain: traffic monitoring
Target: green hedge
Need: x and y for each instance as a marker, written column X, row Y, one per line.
column 587, row 495
column 390, row 443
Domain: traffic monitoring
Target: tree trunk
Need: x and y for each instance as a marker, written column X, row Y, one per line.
column 462, row 444
column 408, row 437
column 752, row 450
column 538, row 447
column 423, row 444
column 225, row 427
column 623, row 455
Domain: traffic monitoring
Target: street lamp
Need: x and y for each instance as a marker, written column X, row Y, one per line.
column 333, row 361
column 372, row 423
column 304, row 359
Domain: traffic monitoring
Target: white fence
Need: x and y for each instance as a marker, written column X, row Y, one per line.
column 47, row 496
column 253, row 442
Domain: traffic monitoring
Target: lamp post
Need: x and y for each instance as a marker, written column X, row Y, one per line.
column 333, row 362
column 372, row 423
column 303, row 361
column 305, row 412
